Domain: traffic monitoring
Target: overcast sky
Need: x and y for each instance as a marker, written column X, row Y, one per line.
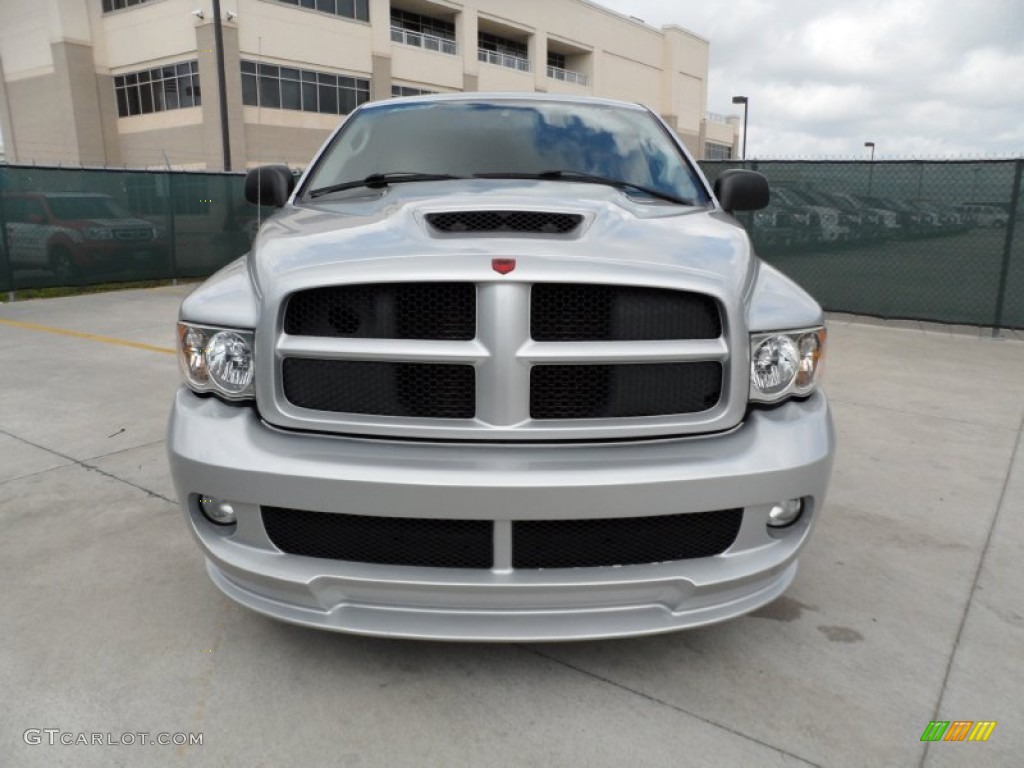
column 932, row 78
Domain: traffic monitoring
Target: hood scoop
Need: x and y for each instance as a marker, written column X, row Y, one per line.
column 504, row 222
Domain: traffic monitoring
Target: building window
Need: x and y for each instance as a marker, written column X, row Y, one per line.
column 503, row 52
column 425, row 25
column 268, row 85
column 423, row 32
column 713, row 151
column 175, row 86
column 350, row 9
column 557, row 70
column 502, row 45
column 117, row 5
column 405, row 90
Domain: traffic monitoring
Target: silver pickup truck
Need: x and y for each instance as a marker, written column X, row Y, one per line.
column 502, row 367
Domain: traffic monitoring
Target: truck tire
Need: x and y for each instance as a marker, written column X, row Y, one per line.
column 62, row 264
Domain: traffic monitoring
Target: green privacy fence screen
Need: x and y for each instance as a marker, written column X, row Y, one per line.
column 928, row 240
column 84, row 226
column 925, row 240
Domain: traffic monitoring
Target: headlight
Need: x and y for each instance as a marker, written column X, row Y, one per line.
column 229, row 357
column 217, row 360
column 99, row 233
column 784, row 364
column 192, row 355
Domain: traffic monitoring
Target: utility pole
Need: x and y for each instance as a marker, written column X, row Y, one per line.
column 871, row 168
column 745, row 102
column 218, row 36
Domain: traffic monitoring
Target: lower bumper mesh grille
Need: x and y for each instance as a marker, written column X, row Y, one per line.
column 623, row 540
column 439, row 543
column 382, row 540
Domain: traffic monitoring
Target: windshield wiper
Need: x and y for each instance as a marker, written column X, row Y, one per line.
column 379, row 180
column 589, row 178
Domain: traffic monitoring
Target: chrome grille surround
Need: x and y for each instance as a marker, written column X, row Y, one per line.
column 503, row 352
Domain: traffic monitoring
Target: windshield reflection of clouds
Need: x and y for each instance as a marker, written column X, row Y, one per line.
column 470, row 138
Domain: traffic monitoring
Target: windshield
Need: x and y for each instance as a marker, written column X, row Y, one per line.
column 468, row 138
column 70, row 208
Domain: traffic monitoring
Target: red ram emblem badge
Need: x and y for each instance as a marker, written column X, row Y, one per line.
column 503, row 266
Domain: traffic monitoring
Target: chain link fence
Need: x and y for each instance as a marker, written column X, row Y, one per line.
column 926, row 240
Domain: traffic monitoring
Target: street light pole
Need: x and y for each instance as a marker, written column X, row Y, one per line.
column 745, row 102
column 871, row 168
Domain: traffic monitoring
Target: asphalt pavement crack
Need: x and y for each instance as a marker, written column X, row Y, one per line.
column 974, row 583
column 670, row 705
column 89, row 467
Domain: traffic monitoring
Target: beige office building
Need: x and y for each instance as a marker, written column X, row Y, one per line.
column 135, row 82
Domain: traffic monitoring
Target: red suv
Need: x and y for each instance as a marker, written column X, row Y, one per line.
column 71, row 232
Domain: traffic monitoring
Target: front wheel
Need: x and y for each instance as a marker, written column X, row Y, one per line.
column 63, row 265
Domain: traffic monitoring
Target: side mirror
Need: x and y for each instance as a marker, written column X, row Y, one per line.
column 269, row 185
column 738, row 190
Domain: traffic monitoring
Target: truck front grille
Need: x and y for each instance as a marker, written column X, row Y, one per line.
column 444, row 311
column 441, row 543
column 383, row 540
column 420, row 390
column 502, row 359
column 623, row 391
column 570, row 312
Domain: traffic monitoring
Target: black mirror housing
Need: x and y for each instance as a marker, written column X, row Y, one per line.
column 739, row 190
column 269, row 185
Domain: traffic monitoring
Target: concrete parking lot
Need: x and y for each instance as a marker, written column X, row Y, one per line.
column 907, row 607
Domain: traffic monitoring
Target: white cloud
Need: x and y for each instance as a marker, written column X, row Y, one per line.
column 816, row 102
column 985, row 76
column 918, row 77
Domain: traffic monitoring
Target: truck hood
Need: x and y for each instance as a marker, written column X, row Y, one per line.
column 386, row 228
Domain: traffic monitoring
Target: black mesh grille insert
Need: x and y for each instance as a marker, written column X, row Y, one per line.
column 621, row 391
column 384, row 540
column 570, row 312
column 424, row 390
column 622, row 540
column 537, row 222
column 385, row 311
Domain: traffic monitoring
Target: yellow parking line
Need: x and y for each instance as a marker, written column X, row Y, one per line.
column 89, row 336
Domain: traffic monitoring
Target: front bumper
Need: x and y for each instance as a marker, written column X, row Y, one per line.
column 228, row 452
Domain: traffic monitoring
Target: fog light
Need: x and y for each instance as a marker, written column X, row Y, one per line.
column 216, row 511
column 785, row 513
